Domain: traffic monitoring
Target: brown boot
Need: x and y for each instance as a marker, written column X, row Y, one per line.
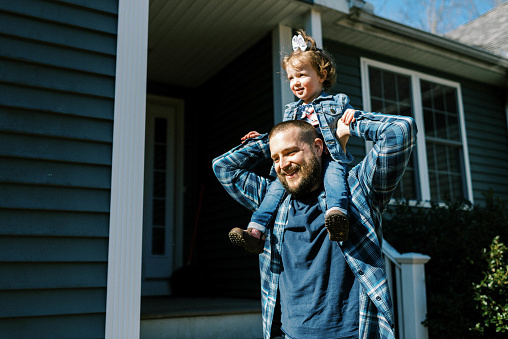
column 245, row 239
column 337, row 225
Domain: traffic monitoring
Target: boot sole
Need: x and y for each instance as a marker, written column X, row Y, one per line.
column 338, row 227
column 238, row 240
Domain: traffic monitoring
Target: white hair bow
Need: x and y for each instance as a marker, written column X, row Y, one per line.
column 299, row 42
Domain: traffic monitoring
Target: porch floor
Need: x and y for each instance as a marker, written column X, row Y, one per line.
column 175, row 307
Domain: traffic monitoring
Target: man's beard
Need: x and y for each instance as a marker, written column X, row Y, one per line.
column 310, row 174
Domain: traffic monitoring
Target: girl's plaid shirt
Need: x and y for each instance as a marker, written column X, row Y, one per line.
column 372, row 183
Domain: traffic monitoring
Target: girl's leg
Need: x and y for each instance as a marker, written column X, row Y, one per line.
column 336, row 186
column 265, row 213
column 337, row 199
column 252, row 239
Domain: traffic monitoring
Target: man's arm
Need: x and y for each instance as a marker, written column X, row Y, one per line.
column 234, row 171
column 394, row 138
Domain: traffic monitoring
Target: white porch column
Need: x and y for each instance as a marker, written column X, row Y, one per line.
column 282, row 95
column 126, row 211
column 313, row 27
column 414, row 296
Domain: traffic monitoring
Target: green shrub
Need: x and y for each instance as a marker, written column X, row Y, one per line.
column 453, row 235
column 491, row 294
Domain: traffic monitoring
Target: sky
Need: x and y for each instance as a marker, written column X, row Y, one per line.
column 410, row 12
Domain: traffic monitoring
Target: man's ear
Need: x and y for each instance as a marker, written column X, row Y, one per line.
column 318, row 146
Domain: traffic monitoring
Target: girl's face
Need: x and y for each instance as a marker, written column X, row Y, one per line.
column 305, row 82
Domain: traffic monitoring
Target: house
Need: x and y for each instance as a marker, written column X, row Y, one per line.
column 110, row 114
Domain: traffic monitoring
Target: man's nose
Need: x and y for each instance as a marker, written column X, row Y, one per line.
column 284, row 163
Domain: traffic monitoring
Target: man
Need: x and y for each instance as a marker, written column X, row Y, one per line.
column 311, row 286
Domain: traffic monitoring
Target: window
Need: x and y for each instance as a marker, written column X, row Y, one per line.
column 439, row 168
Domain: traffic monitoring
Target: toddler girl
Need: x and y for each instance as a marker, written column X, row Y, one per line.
column 310, row 72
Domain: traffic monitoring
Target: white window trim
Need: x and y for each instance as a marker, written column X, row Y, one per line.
column 418, row 115
column 123, row 300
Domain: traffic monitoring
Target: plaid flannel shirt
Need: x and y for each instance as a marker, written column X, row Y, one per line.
column 372, row 183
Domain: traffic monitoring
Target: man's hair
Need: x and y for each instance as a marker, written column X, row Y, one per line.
column 308, row 132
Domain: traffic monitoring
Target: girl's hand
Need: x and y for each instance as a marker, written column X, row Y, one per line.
column 250, row 135
column 348, row 116
column 343, row 132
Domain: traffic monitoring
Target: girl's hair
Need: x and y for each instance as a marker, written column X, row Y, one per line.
column 316, row 57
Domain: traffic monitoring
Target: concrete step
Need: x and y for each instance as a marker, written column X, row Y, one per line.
column 166, row 317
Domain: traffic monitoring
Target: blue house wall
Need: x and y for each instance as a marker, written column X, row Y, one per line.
column 57, row 79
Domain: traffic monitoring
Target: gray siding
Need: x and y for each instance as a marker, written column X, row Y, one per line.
column 348, row 82
column 57, row 68
column 487, row 134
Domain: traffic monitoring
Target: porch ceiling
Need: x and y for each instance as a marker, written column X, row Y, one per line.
column 188, row 41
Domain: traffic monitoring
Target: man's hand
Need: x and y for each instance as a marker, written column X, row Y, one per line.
column 251, row 134
column 343, row 132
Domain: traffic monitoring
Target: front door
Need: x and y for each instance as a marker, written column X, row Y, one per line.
column 162, row 215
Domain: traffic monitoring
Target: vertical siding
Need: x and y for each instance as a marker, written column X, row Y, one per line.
column 57, row 67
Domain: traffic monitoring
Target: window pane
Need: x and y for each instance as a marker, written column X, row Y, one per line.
column 445, row 172
column 159, row 212
column 390, row 86
column 440, row 126
column 375, row 81
column 160, row 130
column 391, row 94
column 158, row 235
column 159, row 157
column 451, row 100
column 441, row 119
column 438, row 97
column 453, row 128
column 377, row 105
column 428, row 120
column 159, row 184
column 440, row 111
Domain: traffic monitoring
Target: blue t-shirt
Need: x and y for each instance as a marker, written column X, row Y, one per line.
column 319, row 293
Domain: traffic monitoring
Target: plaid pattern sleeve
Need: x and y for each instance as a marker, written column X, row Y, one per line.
column 372, row 183
column 382, row 169
column 234, row 171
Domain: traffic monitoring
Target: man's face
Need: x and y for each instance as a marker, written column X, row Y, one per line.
column 298, row 164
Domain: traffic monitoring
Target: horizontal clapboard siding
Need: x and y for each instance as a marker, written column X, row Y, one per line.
column 486, row 125
column 348, row 82
column 57, row 79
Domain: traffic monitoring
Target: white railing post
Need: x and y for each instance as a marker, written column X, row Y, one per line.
column 406, row 281
column 414, row 296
